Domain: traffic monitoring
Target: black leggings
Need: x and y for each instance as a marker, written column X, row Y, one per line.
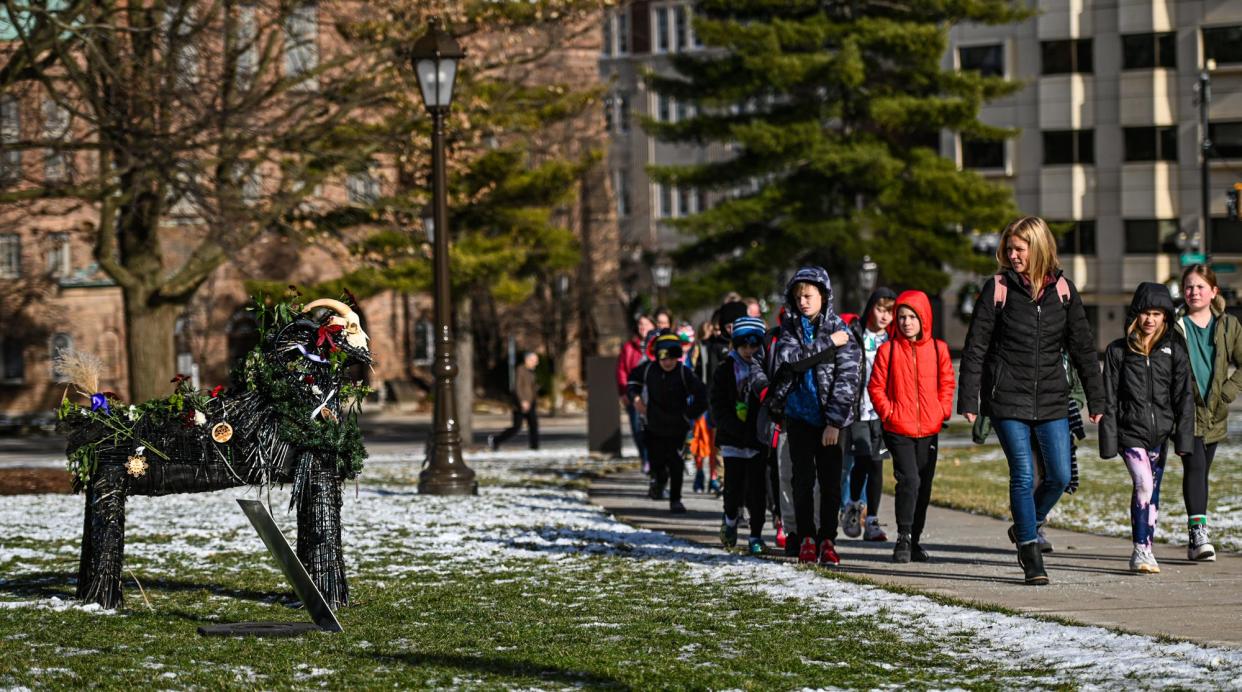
column 812, row 460
column 746, row 479
column 1195, row 477
column 531, row 416
column 871, row 472
column 914, row 467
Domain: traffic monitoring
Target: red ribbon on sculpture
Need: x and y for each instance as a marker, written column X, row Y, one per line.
column 325, row 334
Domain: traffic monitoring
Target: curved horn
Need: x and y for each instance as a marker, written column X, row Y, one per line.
column 340, row 308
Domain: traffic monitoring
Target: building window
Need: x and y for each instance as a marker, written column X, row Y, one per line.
column 606, row 45
column 14, row 354
column 424, row 342
column 179, row 28
column 1150, row 143
column 10, row 256
column 1078, row 239
column 979, row 153
column 1226, row 139
column 60, row 344
column 1223, row 43
column 988, row 61
column 1226, row 236
column 664, row 108
column 623, row 112
column 685, row 201
column 665, row 194
column 621, row 188
column 1068, row 147
column 10, row 132
column 1151, row 236
column 247, row 50
column 684, row 110
column 662, row 28
column 302, row 44
column 1143, row 51
column 362, row 187
column 681, row 28
column 55, row 129
column 58, row 260
column 1065, row 57
column 610, row 124
column 623, row 31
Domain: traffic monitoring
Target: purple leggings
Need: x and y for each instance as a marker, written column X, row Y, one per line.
column 1146, row 468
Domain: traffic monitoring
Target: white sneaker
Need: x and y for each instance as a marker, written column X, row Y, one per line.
column 873, row 532
column 851, row 522
column 1142, row 561
column 1200, row 547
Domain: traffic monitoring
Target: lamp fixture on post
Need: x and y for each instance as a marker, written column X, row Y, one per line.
column 867, row 275
column 434, row 58
column 662, row 276
column 428, row 217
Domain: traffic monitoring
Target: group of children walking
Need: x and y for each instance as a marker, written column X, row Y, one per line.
column 785, row 404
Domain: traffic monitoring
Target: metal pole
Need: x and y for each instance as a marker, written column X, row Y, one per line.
column 1205, row 96
column 446, row 473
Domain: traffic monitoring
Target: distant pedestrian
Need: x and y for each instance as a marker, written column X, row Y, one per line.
column 734, row 399
column 663, row 319
column 911, row 387
column 866, row 439
column 1148, row 386
column 669, row 397
column 753, row 307
column 1025, row 317
column 815, row 405
column 1214, row 340
column 633, row 352
column 525, row 404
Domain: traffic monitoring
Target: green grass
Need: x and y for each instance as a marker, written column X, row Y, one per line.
column 976, row 479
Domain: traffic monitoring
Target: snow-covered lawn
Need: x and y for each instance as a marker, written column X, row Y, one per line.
column 520, row 586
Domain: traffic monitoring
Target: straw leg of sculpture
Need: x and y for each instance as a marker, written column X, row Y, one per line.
column 103, row 538
column 319, row 533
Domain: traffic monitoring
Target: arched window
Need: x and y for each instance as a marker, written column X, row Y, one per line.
column 59, row 344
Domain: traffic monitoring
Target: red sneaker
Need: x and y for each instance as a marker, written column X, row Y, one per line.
column 780, row 534
column 828, row 554
column 806, row 553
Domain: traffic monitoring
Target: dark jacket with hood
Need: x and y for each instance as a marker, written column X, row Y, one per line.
column 857, row 329
column 725, row 394
column 1011, row 363
column 1149, row 397
column 675, row 399
column 836, row 380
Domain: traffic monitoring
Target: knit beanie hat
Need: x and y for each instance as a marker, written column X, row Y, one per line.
column 749, row 330
column 667, row 346
column 685, row 332
column 731, row 311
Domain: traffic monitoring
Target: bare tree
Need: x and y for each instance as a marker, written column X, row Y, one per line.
column 189, row 128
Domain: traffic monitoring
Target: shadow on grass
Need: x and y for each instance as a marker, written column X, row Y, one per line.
column 64, row 586
column 503, row 667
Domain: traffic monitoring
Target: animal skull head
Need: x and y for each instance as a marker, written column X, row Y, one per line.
column 346, row 318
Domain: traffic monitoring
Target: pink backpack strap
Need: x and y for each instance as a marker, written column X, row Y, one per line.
column 1063, row 290
column 1000, row 290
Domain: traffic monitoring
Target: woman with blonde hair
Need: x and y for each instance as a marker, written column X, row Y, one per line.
column 1011, row 371
column 1214, row 340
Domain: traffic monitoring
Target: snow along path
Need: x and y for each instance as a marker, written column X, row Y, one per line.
column 389, row 528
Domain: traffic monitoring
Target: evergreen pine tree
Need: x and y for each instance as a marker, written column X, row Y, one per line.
column 832, row 113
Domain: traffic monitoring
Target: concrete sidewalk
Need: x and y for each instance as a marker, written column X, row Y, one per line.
column 972, row 560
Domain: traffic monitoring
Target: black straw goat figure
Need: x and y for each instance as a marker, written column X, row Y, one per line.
column 292, row 419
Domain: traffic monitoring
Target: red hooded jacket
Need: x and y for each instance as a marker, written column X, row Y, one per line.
column 911, row 383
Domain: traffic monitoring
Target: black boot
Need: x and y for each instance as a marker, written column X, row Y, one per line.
column 1032, row 562
column 917, row 554
column 901, row 551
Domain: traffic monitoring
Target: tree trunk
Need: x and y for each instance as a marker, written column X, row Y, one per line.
column 150, row 345
column 463, row 386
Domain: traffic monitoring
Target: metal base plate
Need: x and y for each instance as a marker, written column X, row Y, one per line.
column 259, row 629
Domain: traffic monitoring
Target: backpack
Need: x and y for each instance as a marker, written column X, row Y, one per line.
column 1000, row 290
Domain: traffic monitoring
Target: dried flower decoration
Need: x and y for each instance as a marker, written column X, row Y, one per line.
column 328, row 415
column 137, row 466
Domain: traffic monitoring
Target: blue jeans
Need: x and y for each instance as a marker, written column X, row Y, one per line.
column 636, row 431
column 1029, row 505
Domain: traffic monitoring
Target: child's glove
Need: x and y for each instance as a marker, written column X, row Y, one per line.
column 742, row 409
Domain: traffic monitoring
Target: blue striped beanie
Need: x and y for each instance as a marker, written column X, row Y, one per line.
column 749, row 330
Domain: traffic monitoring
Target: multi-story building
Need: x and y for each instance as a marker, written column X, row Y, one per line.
column 1109, row 135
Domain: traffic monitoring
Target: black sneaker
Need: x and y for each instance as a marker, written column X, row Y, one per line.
column 901, row 551
column 917, row 554
column 675, row 507
column 791, row 545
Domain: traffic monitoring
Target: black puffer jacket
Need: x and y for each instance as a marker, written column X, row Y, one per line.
column 1149, row 397
column 723, row 399
column 674, row 399
column 1011, row 364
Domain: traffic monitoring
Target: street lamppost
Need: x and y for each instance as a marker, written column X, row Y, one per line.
column 867, row 275
column 1204, row 89
column 662, row 277
column 434, row 57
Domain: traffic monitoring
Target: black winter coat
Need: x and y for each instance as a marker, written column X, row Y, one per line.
column 674, row 399
column 1149, row 397
column 1011, row 363
column 723, row 399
